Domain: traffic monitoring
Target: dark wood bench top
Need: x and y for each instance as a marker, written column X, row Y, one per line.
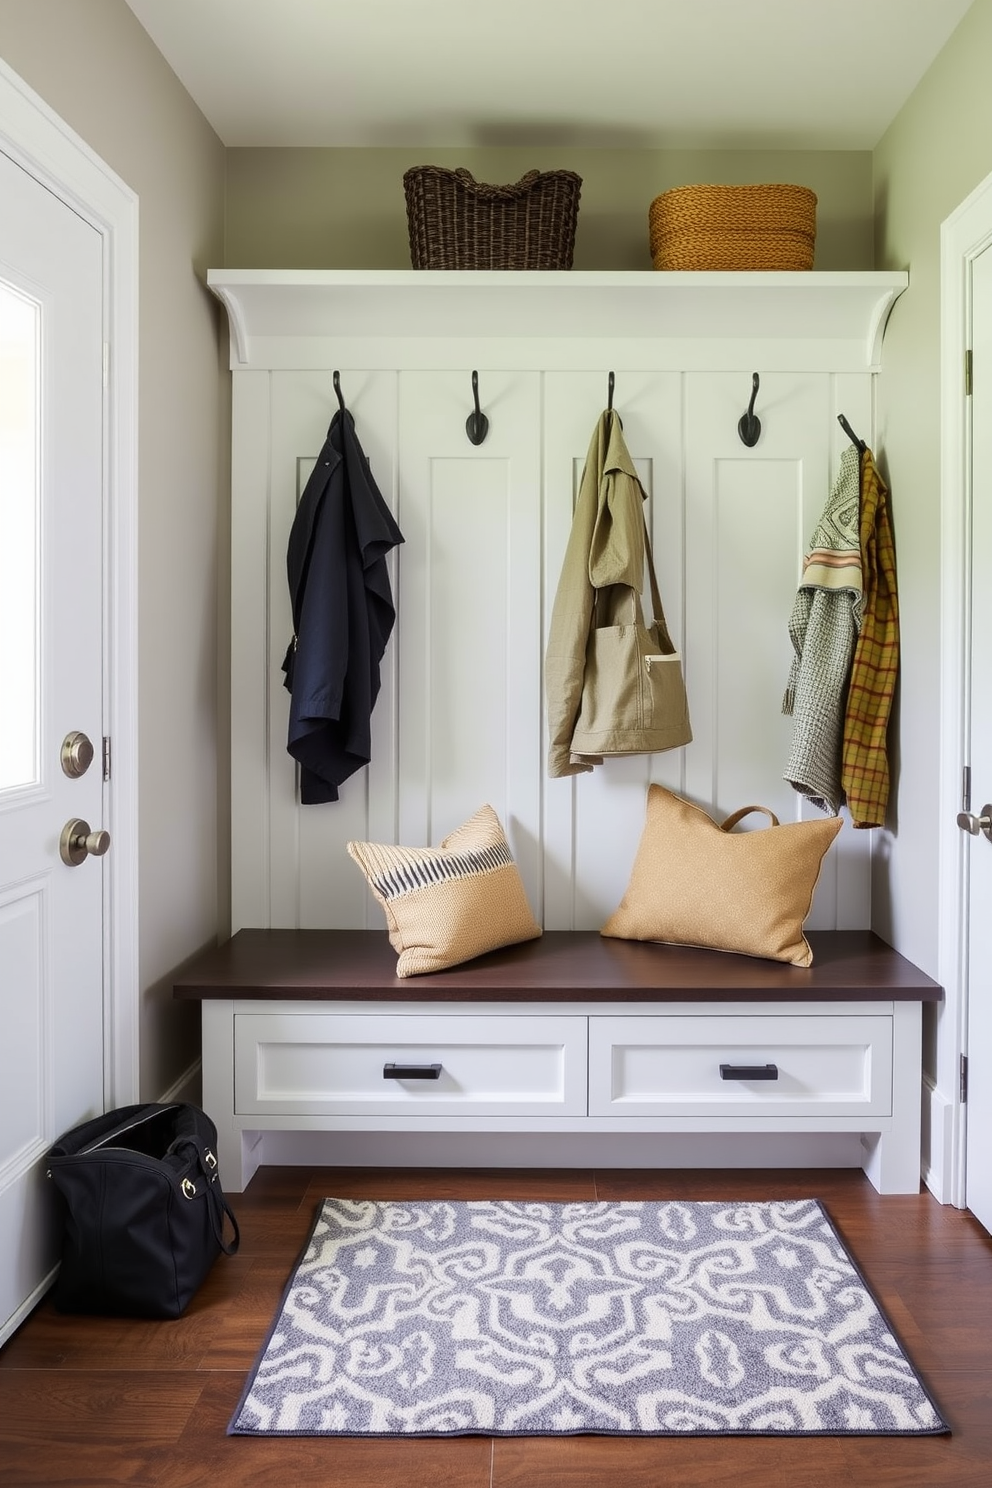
column 562, row 966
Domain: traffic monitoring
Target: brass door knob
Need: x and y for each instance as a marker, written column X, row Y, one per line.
column 78, row 842
column 76, row 755
column 976, row 824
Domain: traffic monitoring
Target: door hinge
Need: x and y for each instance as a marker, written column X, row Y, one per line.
column 968, row 372
column 107, row 757
column 964, row 1079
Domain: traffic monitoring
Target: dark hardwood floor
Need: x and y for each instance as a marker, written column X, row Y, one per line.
column 91, row 1402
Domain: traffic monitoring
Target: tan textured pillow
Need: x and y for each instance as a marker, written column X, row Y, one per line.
column 446, row 904
column 695, row 882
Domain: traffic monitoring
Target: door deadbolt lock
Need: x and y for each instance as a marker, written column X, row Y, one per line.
column 976, row 824
column 77, row 843
column 77, row 754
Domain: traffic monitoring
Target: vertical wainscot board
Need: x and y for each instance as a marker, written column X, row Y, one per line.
column 593, row 821
column 469, row 641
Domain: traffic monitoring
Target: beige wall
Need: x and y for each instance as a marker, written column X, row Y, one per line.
column 93, row 64
column 343, row 209
column 935, row 152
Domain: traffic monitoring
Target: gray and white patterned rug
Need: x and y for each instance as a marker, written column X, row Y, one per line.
column 437, row 1318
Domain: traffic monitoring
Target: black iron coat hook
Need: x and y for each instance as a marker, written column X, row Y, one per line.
column 336, row 379
column 749, row 427
column 609, row 401
column 858, row 443
column 476, row 425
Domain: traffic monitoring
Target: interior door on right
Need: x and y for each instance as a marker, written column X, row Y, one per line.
column 979, row 946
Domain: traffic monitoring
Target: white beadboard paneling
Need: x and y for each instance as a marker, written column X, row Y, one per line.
column 301, row 410
column 749, row 515
column 850, row 860
column 252, row 429
column 314, row 884
column 470, row 636
column 461, row 716
column 757, row 511
column 593, row 822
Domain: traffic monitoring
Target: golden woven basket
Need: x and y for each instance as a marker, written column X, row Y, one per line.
column 733, row 227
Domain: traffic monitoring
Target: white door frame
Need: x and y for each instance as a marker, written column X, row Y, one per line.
column 44, row 145
column 963, row 236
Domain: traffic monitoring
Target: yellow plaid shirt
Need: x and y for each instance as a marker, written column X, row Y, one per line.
column 865, row 765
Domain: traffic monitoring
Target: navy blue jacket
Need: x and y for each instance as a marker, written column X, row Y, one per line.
column 342, row 613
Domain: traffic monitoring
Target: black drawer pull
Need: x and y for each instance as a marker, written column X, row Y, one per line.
column 411, row 1072
column 749, row 1072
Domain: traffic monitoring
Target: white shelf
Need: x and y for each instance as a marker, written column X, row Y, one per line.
column 286, row 317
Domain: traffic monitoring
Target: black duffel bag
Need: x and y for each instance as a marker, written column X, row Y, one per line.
column 144, row 1210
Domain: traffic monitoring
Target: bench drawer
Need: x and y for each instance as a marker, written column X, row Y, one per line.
column 671, row 1066
column 325, row 1063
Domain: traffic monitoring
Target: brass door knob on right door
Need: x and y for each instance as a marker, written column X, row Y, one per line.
column 77, row 842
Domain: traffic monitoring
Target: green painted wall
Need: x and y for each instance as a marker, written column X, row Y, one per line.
column 345, row 209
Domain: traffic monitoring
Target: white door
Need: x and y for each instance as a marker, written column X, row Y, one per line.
column 979, row 1032
column 51, row 668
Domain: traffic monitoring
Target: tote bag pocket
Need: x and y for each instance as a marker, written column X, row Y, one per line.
column 633, row 694
column 614, row 681
column 633, row 691
column 666, row 708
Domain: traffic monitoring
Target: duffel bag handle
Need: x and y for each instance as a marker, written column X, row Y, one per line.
column 216, row 1198
column 219, row 1206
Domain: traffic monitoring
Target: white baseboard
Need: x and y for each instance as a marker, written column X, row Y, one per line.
column 10, row 1327
column 189, row 1087
column 937, row 1124
column 560, row 1150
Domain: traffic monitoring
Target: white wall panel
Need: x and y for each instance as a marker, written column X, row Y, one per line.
column 291, row 865
column 470, row 610
column 250, row 556
column 593, row 822
column 749, row 516
column 855, row 854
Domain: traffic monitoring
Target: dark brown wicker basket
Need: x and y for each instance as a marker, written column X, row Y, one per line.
column 457, row 222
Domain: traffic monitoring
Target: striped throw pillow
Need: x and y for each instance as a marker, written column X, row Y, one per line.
column 445, row 905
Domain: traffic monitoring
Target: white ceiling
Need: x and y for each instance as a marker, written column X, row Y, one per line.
column 788, row 74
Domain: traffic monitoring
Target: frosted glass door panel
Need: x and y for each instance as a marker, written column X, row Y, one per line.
column 20, row 319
